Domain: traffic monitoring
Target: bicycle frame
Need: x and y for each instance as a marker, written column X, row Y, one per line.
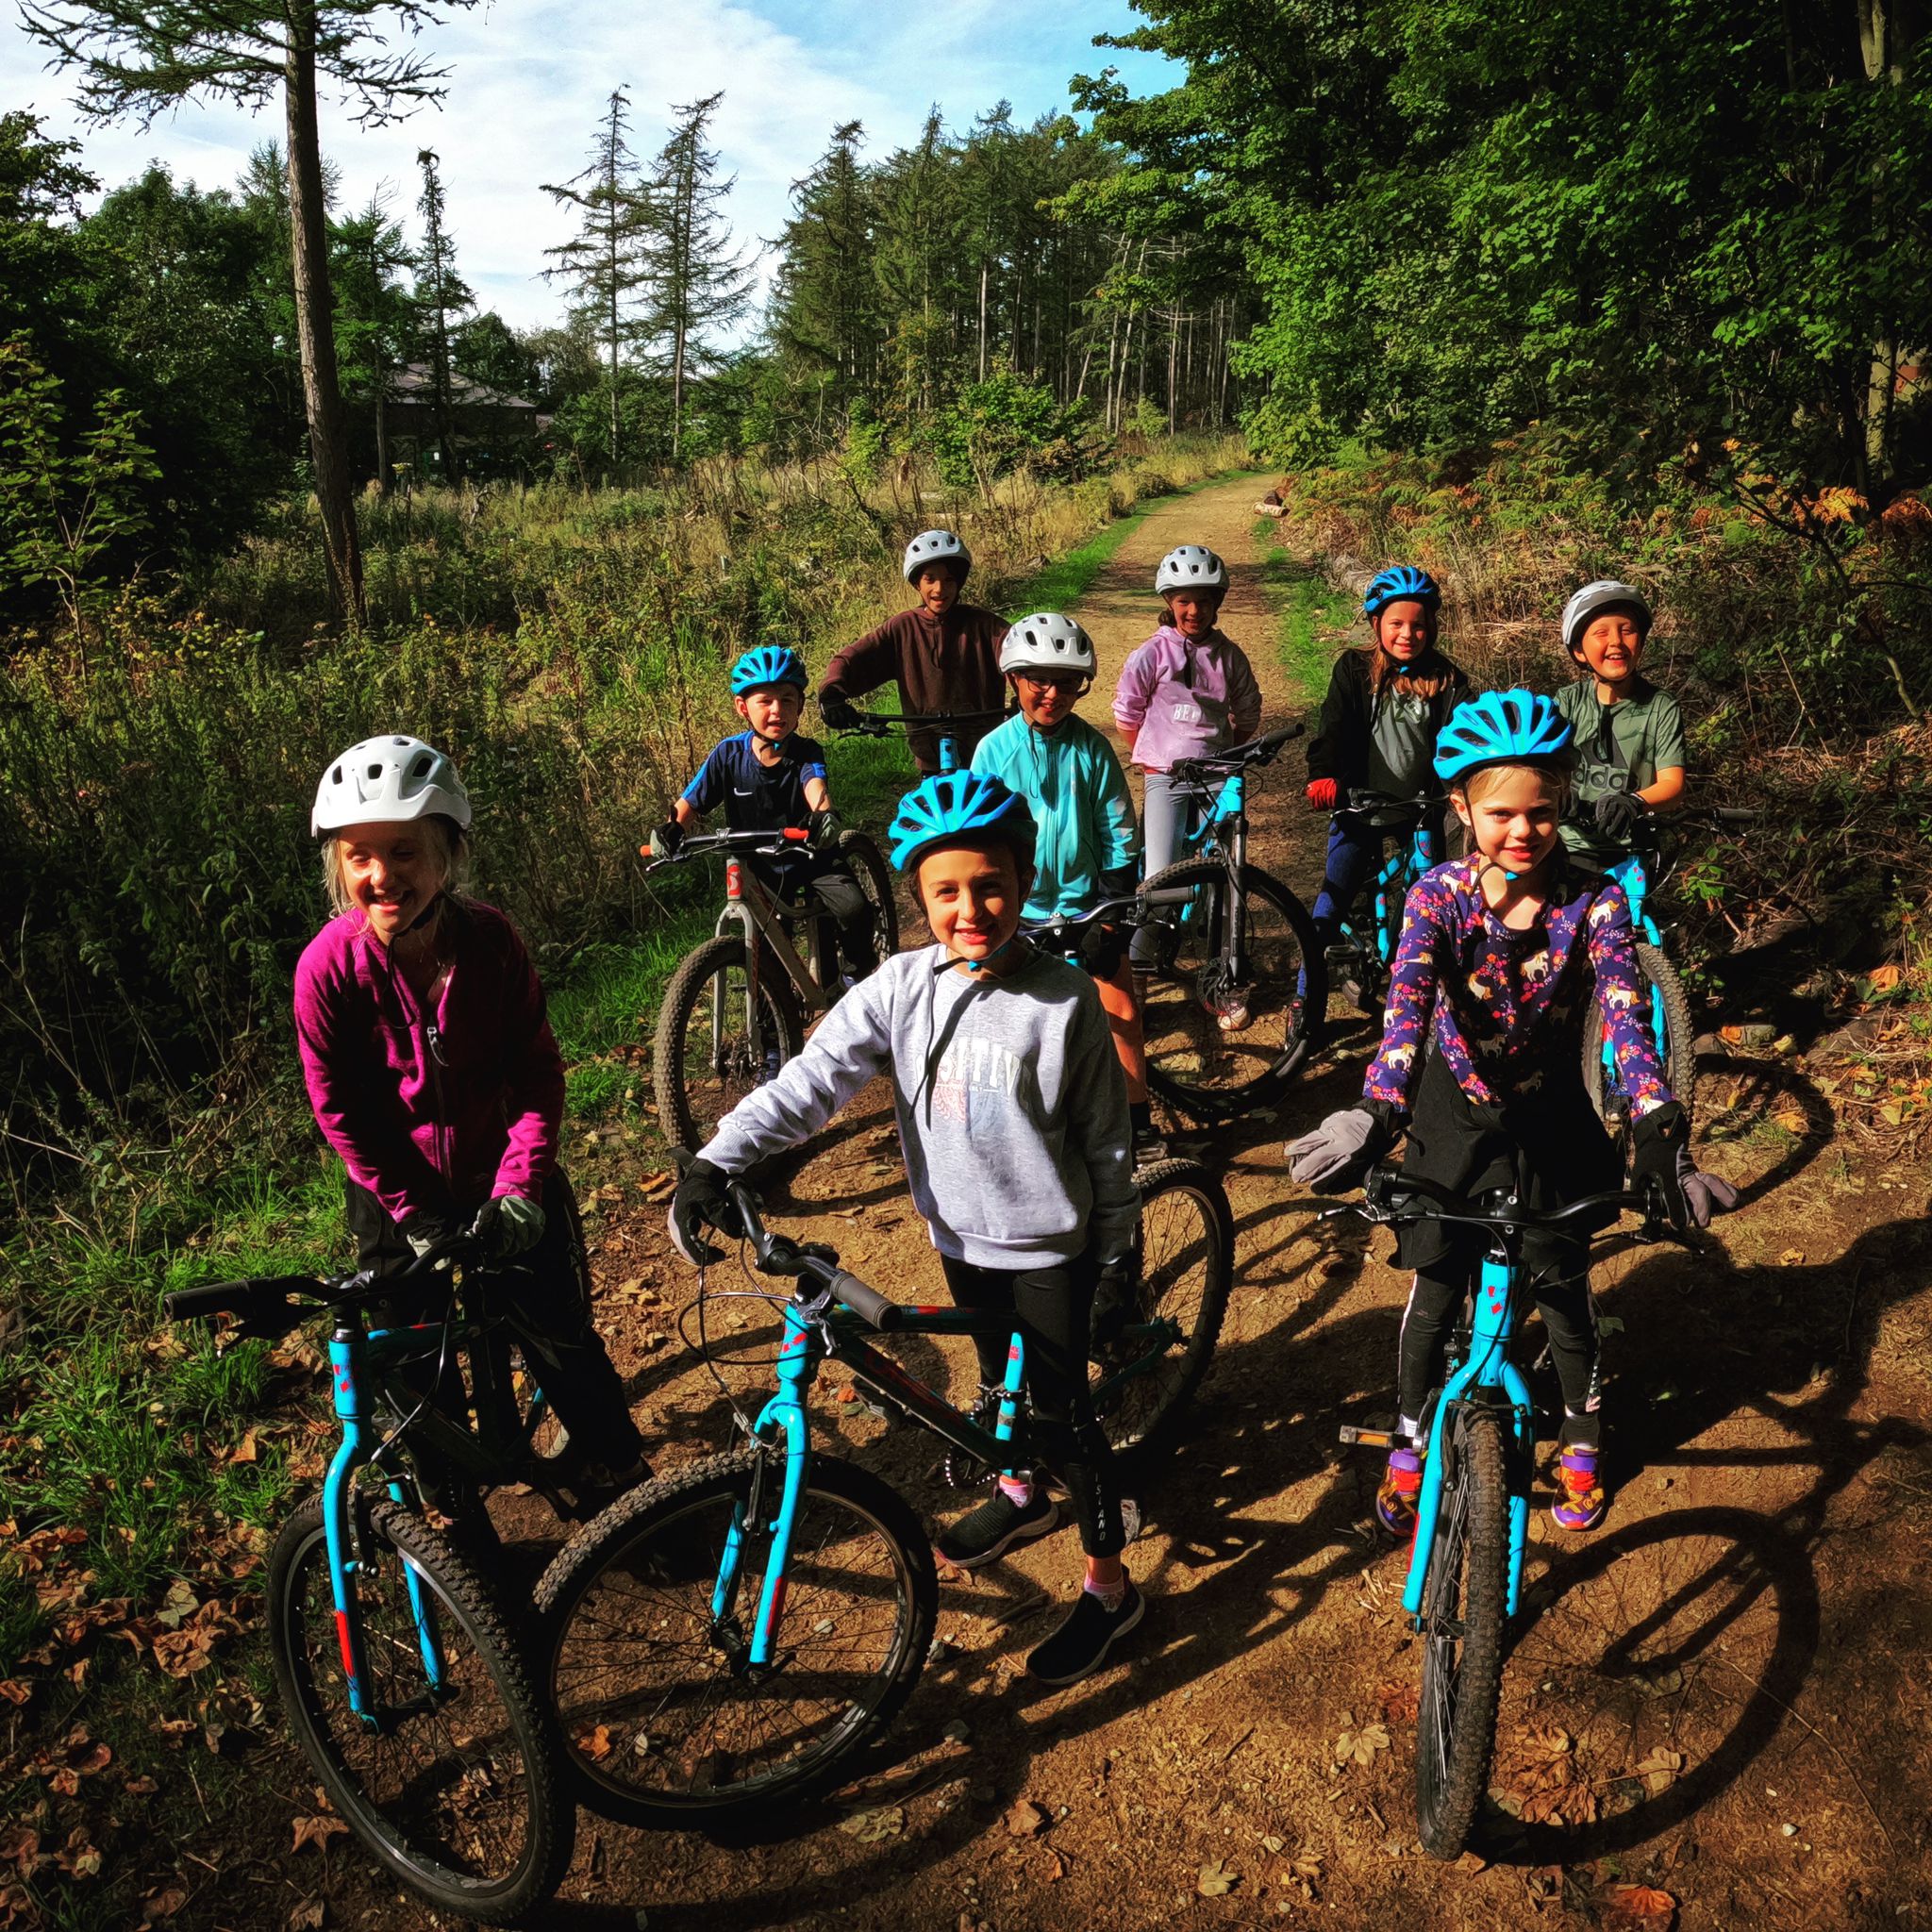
column 1490, row 1376
column 1403, row 864
column 814, row 1334
column 357, row 1357
column 1634, row 877
column 751, row 907
column 1218, row 813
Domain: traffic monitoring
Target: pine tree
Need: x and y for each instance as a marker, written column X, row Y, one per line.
column 604, row 263
column 698, row 284
column 440, row 294
column 142, row 56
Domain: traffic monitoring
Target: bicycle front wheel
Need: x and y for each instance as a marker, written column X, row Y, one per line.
column 703, row 1062
column 666, row 1719
column 1236, row 991
column 1665, row 999
column 1463, row 1609
column 452, row 1784
column 868, row 866
column 1183, row 1267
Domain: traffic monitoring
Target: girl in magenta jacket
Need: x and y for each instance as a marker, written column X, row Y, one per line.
column 1187, row 692
column 434, row 1075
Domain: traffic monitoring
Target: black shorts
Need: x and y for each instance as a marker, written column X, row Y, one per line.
column 1553, row 1135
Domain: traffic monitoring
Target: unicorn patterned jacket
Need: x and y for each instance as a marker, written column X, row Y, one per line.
column 1505, row 1008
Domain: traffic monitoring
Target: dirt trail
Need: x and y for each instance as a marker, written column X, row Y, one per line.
column 1722, row 1694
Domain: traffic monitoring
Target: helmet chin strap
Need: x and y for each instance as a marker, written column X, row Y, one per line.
column 954, row 959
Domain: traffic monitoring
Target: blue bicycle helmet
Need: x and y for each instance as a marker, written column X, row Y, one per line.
column 1401, row 583
column 767, row 665
column 1502, row 728
column 960, row 807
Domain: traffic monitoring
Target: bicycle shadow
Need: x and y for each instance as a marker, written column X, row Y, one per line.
column 1710, row 1613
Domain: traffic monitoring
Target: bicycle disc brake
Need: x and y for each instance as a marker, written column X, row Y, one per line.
column 966, row 1471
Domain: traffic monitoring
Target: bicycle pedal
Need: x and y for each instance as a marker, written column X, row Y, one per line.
column 1371, row 1439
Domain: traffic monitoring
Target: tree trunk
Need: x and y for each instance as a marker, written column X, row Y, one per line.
column 315, row 324
column 384, row 479
column 982, row 321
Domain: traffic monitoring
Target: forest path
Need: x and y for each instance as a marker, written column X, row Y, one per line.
column 1721, row 1694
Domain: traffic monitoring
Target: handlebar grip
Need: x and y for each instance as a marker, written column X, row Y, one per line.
column 877, row 1310
column 261, row 1301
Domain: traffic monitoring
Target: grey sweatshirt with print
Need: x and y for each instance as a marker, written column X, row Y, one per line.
column 1011, row 1105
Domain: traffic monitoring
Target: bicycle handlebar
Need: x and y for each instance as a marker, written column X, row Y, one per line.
column 1065, row 928
column 702, row 846
column 778, row 1253
column 270, row 1304
column 1362, row 799
column 1257, row 751
column 1382, row 1202
column 877, row 724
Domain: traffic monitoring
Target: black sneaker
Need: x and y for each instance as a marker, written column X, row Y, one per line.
column 994, row 1528
column 1150, row 1145
column 1089, row 1631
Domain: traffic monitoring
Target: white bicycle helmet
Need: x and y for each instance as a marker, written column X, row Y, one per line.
column 936, row 546
column 1047, row 642
column 1605, row 594
column 1192, row 567
column 388, row 781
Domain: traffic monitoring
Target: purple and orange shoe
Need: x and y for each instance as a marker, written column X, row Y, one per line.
column 1581, row 1503
column 1395, row 1499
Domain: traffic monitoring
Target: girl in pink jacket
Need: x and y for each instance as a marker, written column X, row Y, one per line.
column 434, row 1075
column 1187, row 692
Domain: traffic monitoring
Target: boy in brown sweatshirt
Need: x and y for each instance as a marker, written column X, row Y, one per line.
column 946, row 655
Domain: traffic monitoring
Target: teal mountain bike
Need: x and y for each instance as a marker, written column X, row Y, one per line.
column 1642, row 874
column 1233, row 991
column 398, row 1670
column 1363, row 955
column 1465, row 1573
column 731, row 1635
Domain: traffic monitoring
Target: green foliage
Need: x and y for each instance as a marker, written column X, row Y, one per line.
column 1461, row 219
column 70, row 500
column 1003, row 423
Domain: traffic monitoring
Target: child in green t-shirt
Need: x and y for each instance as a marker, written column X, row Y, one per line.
column 1629, row 734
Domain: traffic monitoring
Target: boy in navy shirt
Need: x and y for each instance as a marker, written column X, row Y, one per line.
column 769, row 779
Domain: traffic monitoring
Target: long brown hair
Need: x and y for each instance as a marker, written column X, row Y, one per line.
column 1427, row 677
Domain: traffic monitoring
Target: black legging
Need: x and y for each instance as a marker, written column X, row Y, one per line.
column 1568, row 1314
column 1051, row 1308
column 824, row 883
column 550, row 1289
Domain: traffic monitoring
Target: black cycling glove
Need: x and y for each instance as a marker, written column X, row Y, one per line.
column 837, row 710
column 1619, row 814
column 1662, row 1159
column 1099, row 949
column 699, row 1203
column 827, row 828
column 666, row 839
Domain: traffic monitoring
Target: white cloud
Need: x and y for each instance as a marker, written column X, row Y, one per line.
column 528, row 79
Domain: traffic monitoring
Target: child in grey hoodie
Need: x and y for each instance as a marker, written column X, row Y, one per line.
column 1012, row 1112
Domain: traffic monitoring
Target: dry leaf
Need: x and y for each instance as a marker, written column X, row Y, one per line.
column 1271, row 1844
column 1024, row 1819
column 162, row 1902
column 1359, row 1747
column 1399, row 1702
column 1216, row 1879
column 1791, row 1258
column 1659, row 1770
column 14, row 1690
column 317, row 1831
column 1791, row 1119
column 594, row 1743
column 870, row 1827
column 306, row 1915
column 1885, row 977
column 1639, row 1909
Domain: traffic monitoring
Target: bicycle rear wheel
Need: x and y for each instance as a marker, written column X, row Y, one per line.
column 703, row 1062
column 452, row 1787
column 666, row 1720
column 1183, row 1267
column 1237, row 990
column 1463, row 1610
column 1665, row 993
column 868, row 866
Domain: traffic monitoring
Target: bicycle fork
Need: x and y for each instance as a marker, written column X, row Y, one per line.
column 783, row 1415
column 1486, row 1367
column 345, row 1557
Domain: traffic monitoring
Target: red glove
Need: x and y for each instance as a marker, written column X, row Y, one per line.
column 1321, row 793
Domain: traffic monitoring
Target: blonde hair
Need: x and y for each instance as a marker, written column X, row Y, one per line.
column 451, row 843
column 1553, row 771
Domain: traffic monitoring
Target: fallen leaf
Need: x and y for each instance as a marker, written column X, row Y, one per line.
column 1639, row 1909
column 246, row 1450
column 1659, row 1770
column 1791, row 1258
column 141, row 1787
column 317, row 1831
column 1885, row 977
column 1359, row 1747
column 162, row 1902
column 870, row 1827
column 306, row 1915
column 1792, row 1120
column 1470, row 1863
column 1273, row 1844
column 1216, row 1879
column 1609, row 1325
column 14, row 1690
column 1399, row 1702
column 594, row 1743
column 1024, row 1819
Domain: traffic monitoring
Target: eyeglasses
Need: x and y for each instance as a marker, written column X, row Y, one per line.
column 1053, row 681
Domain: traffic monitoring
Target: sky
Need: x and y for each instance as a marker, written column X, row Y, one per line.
column 528, row 80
